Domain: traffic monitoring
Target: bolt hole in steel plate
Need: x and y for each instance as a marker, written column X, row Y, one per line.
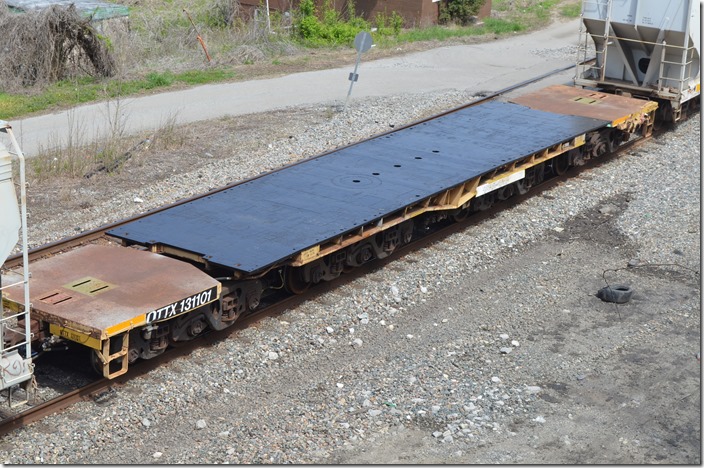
column 355, row 181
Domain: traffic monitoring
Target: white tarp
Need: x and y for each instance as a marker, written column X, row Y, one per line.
column 9, row 210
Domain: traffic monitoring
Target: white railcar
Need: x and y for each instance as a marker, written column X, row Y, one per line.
column 648, row 48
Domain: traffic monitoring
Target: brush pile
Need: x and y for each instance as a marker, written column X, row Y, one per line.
column 44, row 46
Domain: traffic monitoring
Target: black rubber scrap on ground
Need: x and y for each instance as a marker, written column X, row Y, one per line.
column 618, row 293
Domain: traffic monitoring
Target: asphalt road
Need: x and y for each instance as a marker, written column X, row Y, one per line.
column 465, row 67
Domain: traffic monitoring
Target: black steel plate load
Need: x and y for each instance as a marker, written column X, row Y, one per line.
column 254, row 225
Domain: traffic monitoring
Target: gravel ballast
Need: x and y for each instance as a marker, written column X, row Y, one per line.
column 487, row 347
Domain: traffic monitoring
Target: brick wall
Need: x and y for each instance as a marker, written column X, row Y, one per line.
column 414, row 12
column 485, row 11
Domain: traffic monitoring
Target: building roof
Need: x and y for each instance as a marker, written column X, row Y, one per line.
column 86, row 8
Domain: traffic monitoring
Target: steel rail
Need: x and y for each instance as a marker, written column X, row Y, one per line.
column 48, row 407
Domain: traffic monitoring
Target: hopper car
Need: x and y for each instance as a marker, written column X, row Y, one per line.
column 16, row 367
column 644, row 48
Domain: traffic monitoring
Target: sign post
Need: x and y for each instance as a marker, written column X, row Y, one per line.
column 362, row 43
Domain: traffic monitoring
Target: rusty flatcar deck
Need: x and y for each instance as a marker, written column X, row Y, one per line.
column 98, row 291
column 263, row 221
column 560, row 99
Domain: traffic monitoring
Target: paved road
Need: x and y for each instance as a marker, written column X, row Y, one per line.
column 464, row 67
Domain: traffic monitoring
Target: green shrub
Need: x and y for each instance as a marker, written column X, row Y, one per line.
column 388, row 25
column 380, row 21
column 459, row 11
column 332, row 29
column 158, row 80
column 396, row 22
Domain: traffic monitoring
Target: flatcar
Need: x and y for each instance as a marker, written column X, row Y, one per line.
column 173, row 274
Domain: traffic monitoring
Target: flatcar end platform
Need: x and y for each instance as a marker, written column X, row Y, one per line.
column 117, row 290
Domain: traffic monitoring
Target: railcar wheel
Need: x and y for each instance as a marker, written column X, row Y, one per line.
column 295, row 283
column 196, row 327
column 95, row 363
column 483, row 202
column 663, row 116
column 537, row 174
column 689, row 108
column 523, row 186
column 560, row 164
column 460, row 215
column 694, row 105
column 506, row 192
column 599, row 144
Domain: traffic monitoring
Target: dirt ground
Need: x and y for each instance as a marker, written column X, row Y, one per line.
column 614, row 394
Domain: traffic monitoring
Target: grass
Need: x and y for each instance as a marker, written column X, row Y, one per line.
column 71, row 156
column 441, row 33
column 533, row 14
column 543, row 10
column 87, row 89
column 572, row 10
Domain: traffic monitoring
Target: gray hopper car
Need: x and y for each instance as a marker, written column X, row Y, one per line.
column 644, row 48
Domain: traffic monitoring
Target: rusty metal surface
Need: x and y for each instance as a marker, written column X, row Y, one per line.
column 569, row 100
column 254, row 225
column 128, row 284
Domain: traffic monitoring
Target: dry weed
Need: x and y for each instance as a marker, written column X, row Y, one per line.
column 40, row 47
column 163, row 39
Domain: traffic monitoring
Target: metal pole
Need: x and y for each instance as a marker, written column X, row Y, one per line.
column 25, row 246
column 198, row 37
column 354, row 75
column 268, row 19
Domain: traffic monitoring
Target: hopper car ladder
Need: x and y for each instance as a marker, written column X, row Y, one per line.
column 685, row 71
column 584, row 70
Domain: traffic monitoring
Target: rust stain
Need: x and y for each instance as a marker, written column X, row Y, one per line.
column 560, row 99
column 102, row 290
